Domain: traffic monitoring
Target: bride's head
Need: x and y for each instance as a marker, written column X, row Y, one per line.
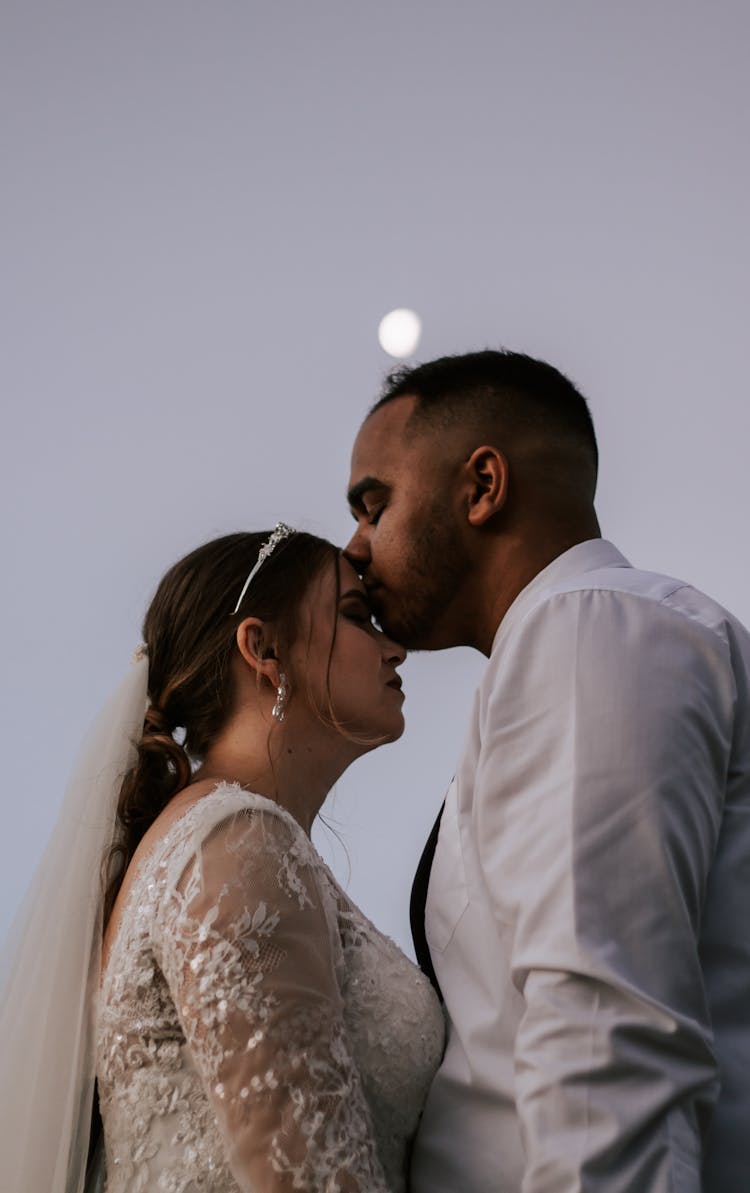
column 293, row 655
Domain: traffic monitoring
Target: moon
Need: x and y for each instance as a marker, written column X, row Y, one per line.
column 399, row 332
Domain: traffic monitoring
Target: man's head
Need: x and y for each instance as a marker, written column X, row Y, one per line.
column 469, row 475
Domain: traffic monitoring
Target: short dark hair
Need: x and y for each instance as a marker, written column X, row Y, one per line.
column 521, row 393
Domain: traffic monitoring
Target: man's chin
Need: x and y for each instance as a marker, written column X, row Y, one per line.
column 413, row 635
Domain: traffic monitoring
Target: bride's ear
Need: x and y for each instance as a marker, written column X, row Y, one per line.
column 257, row 647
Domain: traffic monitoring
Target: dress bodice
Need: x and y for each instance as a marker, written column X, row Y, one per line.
column 255, row 1031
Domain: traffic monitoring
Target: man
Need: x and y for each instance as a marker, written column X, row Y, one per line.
column 588, row 910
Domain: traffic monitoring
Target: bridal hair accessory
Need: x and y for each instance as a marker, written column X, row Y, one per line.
column 140, row 652
column 280, row 532
column 50, row 964
column 279, row 709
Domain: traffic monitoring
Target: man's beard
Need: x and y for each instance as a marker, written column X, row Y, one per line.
column 434, row 570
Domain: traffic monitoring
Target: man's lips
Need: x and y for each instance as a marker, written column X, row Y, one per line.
column 375, row 593
column 396, row 683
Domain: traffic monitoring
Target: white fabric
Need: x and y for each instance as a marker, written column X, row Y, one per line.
column 256, row 1032
column 588, row 912
column 50, row 967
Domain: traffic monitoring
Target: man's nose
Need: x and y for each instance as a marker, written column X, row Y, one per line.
column 357, row 550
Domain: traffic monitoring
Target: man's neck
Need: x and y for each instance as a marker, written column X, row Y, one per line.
column 510, row 572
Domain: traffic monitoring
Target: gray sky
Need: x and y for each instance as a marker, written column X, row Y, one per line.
column 207, row 208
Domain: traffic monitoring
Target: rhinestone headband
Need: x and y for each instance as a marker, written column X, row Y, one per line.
column 281, row 531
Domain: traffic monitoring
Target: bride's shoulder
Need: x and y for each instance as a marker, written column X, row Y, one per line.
column 208, row 817
column 215, row 838
column 229, row 817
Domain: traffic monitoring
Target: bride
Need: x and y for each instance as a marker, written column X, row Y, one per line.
column 248, row 1028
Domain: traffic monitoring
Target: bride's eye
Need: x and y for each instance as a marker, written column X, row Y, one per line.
column 359, row 614
column 359, row 617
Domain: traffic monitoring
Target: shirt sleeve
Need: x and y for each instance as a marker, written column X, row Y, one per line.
column 599, row 802
column 245, row 945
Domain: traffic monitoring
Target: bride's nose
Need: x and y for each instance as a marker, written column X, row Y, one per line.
column 393, row 652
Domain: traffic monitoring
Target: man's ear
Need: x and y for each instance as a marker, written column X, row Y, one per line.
column 257, row 647
column 488, row 475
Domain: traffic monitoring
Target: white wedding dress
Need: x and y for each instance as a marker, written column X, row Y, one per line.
column 255, row 1031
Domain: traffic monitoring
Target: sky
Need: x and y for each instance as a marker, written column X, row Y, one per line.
column 207, row 209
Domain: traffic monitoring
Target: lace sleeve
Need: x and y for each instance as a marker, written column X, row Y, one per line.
column 245, row 946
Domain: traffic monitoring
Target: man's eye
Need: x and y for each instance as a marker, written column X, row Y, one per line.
column 373, row 516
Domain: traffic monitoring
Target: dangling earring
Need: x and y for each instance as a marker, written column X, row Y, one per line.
column 279, row 709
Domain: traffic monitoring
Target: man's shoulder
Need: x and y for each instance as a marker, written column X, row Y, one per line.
column 646, row 594
column 616, row 596
column 627, row 580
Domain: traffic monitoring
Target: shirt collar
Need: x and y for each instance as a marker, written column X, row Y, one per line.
column 576, row 561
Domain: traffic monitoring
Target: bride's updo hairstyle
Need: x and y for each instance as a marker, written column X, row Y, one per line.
column 189, row 633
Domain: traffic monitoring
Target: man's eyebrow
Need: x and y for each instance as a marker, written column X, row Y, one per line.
column 357, row 492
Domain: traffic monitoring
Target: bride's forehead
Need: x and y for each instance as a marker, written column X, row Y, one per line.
column 348, row 576
column 335, row 577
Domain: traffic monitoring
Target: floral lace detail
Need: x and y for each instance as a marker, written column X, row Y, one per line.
column 288, row 872
column 256, row 1032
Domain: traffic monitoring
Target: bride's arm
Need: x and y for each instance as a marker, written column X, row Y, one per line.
column 246, row 948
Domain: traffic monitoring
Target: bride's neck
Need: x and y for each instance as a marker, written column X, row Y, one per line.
column 294, row 765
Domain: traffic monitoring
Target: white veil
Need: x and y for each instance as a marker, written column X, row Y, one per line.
column 49, row 967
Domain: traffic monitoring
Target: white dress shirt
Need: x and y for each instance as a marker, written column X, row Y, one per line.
column 588, row 912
